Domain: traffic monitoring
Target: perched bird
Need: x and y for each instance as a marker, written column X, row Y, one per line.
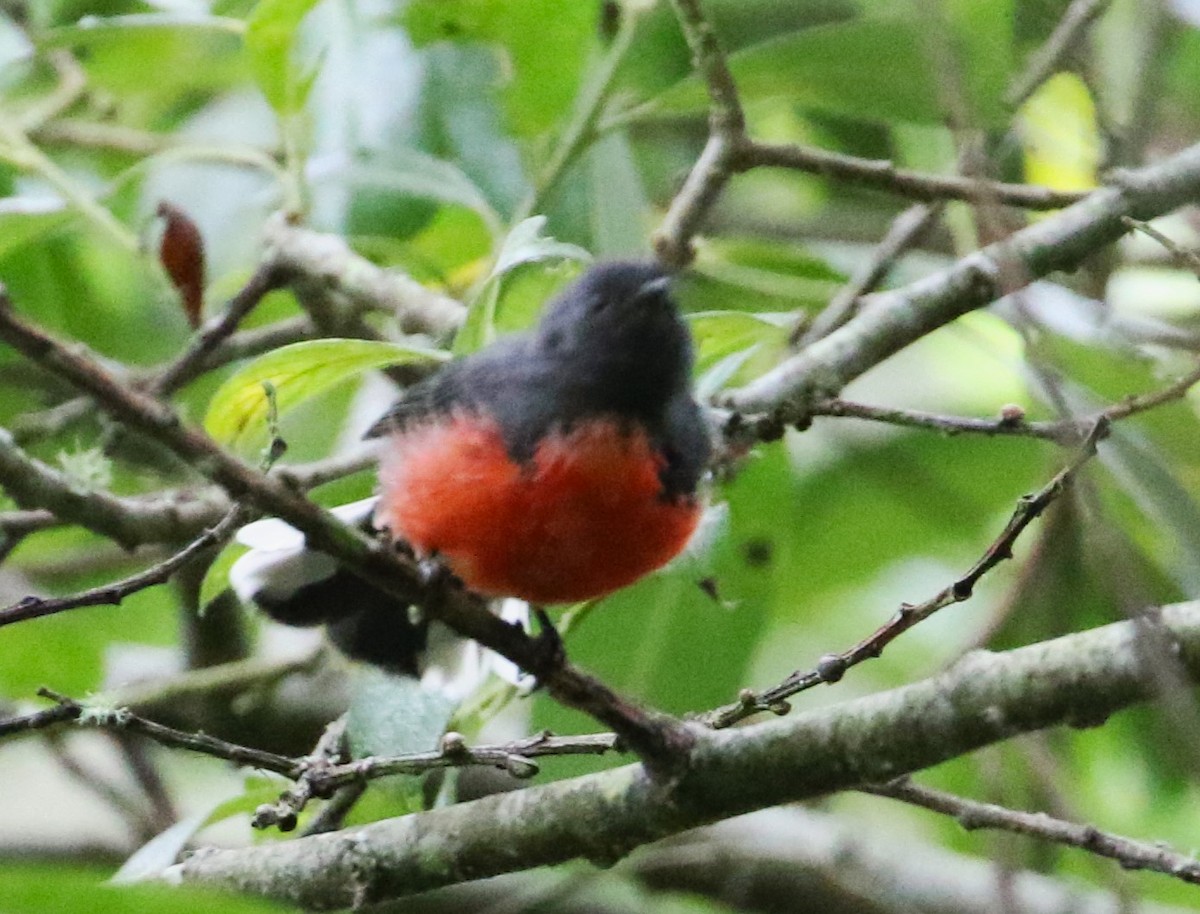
column 553, row 466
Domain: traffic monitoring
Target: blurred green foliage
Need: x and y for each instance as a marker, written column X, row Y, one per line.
column 488, row 148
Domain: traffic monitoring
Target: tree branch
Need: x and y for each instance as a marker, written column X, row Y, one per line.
column 895, row 319
column 112, row 593
column 832, row 667
column 972, row 815
column 1045, row 60
column 129, row 521
column 1075, row 680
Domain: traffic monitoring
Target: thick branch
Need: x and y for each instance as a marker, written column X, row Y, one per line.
column 130, row 521
column 1075, row 680
column 895, row 319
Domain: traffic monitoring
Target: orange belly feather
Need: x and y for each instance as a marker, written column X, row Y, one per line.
column 581, row 519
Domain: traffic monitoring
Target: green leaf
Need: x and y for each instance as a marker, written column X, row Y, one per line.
column 411, row 173
column 27, row 219
column 545, row 42
column 62, row 889
column 529, row 269
column 872, row 68
column 216, row 578
column 1060, row 135
column 299, row 372
column 186, row 53
column 619, row 208
column 980, row 56
column 394, row 715
column 270, row 38
column 720, row 334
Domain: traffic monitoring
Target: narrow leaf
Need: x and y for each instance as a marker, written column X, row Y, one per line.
column 270, row 37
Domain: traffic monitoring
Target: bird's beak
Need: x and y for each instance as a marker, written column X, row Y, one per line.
column 656, row 287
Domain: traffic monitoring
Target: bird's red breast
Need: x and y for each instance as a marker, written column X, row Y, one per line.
column 584, row 516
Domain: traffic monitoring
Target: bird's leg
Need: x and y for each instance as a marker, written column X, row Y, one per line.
column 549, row 648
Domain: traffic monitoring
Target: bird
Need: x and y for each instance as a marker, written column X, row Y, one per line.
column 551, row 466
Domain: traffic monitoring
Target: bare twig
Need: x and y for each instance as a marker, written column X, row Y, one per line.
column 72, row 84
column 972, row 815
column 317, row 265
column 112, row 593
column 727, row 132
column 1045, row 60
column 832, row 667
column 1185, row 258
column 905, row 231
column 148, row 778
column 122, row 719
column 265, row 279
column 984, row 698
column 898, row 317
column 38, row 720
column 330, row 749
column 129, row 521
column 326, row 769
column 730, row 151
column 1065, row 432
column 883, row 174
column 244, row 344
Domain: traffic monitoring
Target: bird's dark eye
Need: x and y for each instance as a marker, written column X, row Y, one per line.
column 554, row 339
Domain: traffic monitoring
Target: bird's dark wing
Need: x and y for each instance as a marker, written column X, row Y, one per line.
column 473, row 383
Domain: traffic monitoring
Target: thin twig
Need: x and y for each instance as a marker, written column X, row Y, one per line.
column 1185, row 258
column 37, row 426
column 330, row 749
column 883, row 174
column 1045, row 60
column 1012, row 423
column 34, row 485
column 726, row 133
column 898, row 317
column 112, row 593
column 122, row 719
column 729, row 151
column 325, row 770
column 141, row 766
column 265, row 279
column 332, row 815
column 832, row 667
column 905, row 231
column 72, row 84
column 972, row 815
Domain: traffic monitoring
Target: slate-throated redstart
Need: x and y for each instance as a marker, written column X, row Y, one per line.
column 553, row 466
